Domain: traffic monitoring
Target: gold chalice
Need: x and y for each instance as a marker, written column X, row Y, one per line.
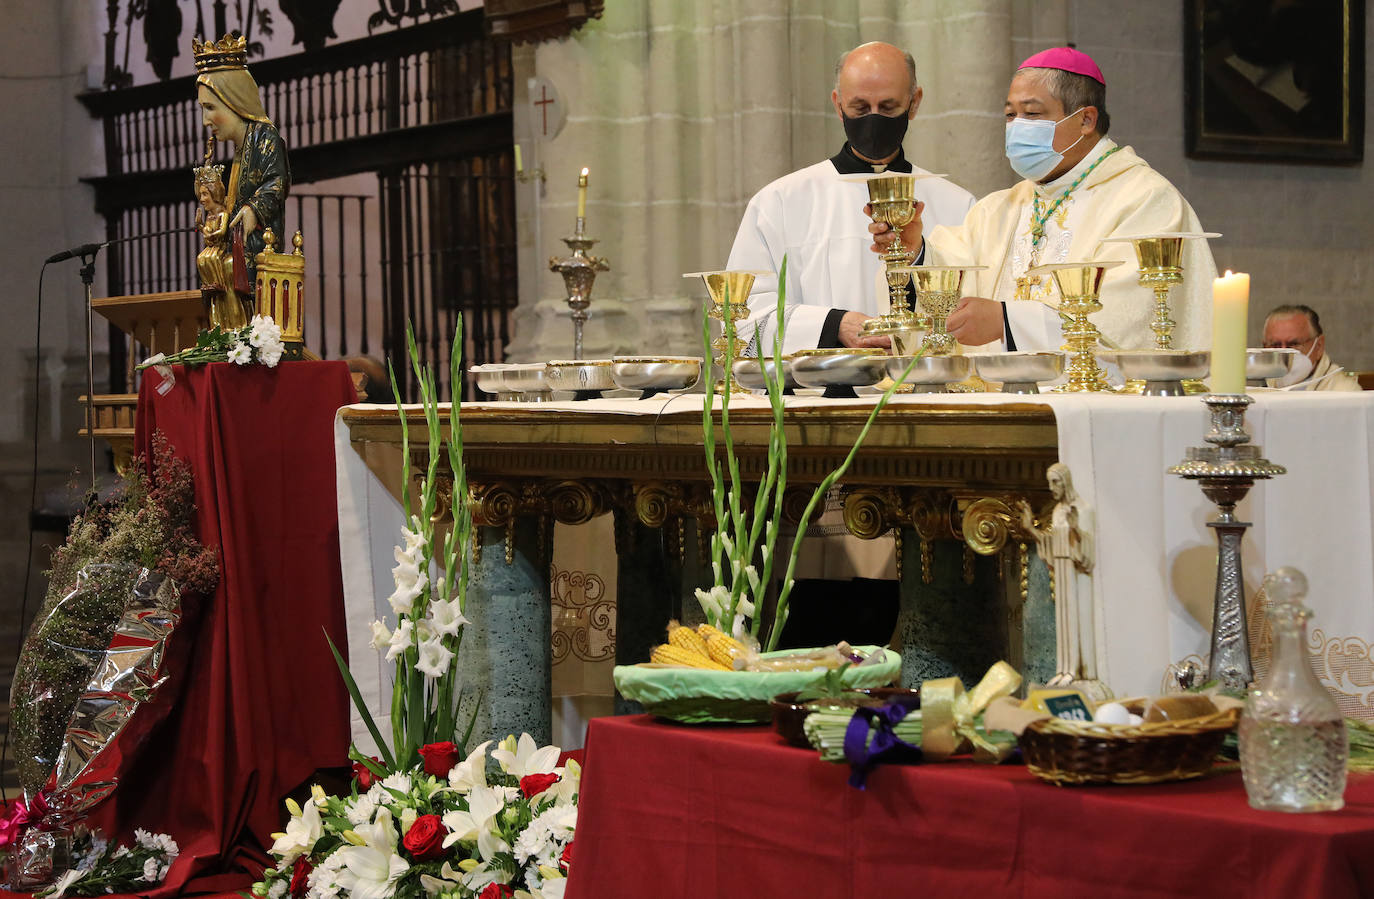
column 938, row 289
column 1080, row 285
column 729, row 303
column 892, row 198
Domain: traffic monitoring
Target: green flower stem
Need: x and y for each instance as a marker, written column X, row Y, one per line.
column 780, row 617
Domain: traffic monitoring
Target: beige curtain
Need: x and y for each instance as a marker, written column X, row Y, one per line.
column 682, row 110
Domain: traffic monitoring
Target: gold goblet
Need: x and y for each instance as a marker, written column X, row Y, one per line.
column 893, row 202
column 938, row 289
column 729, row 303
column 1080, row 285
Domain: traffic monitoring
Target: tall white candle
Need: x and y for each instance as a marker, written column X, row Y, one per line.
column 582, row 194
column 519, row 166
column 1230, row 307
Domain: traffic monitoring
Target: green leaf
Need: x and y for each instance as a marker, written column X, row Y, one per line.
column 359, row 704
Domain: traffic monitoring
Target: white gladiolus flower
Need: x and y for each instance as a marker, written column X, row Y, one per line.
column 528, row 758
column 410, row 583
column 445, row 616
column 401, row 639
column 713, row 601
column 471, row 771
column 435, row 658
column 381, row 635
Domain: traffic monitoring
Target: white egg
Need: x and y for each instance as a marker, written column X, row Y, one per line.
column 1136, row 719
column 1112, row 713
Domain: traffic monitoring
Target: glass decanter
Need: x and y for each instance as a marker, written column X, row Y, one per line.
column 1293, row 742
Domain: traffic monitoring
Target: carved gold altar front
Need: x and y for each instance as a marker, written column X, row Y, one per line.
column 945, row 472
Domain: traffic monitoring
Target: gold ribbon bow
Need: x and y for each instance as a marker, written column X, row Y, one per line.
column 948, row 713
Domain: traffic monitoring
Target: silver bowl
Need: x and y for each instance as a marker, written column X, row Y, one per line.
column 654, row 374
column 1163, row 371
column 930, row 374
column 840, row 367
column 754, row 373
column 491, row 378
column 1018, row 372
column 530, row 380
column 584, row 376
column 1268, row 363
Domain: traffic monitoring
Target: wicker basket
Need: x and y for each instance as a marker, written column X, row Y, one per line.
column 1069, row 752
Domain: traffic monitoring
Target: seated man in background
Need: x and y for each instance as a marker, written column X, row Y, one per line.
column 1298, row 327
column 817, row 220
column 1080, row 187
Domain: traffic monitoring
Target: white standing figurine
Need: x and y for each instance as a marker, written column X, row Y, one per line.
column 1066, row 546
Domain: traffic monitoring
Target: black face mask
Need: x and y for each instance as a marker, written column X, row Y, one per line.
column 876, row 136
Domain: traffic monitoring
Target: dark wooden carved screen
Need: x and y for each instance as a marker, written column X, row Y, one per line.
column 427, row 109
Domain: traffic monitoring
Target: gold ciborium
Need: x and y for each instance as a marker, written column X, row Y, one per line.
column 729, row 304
column 938, row 289
column 1080, row 285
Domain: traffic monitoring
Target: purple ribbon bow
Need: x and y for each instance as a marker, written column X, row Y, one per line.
column 863, row 753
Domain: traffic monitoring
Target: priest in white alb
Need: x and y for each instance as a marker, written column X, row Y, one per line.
column 1080, row 189
column 816, row 219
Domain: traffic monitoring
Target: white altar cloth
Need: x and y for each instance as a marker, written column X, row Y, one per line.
column 1153, row 583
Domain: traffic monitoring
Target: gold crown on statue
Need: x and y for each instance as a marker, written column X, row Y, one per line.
column 209, row 174
column 229, row 52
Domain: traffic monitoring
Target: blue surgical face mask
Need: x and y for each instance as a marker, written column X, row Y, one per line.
column 1030, row 146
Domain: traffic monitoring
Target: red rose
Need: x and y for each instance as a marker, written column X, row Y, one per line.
column 497, row 891
column 439, row 758
column 425, row 839
column 300, row 878
column 534, row 784
column 364, row 774
column 565, row 860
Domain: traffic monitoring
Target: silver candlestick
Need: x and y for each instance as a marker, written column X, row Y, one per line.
column 1226, row 471
column 579, row 271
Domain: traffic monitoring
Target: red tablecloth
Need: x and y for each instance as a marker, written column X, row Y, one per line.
column 261, row 705
column 677, row 811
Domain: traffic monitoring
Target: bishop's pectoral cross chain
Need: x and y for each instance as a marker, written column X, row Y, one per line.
column 1039, row 217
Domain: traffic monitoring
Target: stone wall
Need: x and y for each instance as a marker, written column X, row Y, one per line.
column 1303, row 232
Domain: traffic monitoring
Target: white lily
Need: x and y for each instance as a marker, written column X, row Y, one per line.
column 465, row 826
column 471, row 771
column 302, row 832
column 374, row 867
column 528, row 758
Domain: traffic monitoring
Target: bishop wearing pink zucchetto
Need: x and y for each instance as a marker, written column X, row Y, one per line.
column 1079, row 188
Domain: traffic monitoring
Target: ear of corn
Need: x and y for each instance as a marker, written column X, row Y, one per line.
column 668, row 654
column 707, row 632
column 724, row 650
column 687, row 638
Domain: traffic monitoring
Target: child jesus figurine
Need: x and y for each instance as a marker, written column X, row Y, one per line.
column 215, row 263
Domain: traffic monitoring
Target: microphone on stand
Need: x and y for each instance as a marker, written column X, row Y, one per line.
column 86, row 249
column 90, row 249
column 86, row 252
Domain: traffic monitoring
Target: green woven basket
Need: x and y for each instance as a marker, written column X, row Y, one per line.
column 699, row 696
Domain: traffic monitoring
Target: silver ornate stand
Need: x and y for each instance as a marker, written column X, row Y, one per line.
column 579, row 271
column 1226, row 471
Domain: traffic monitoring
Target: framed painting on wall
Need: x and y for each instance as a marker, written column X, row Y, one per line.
column 1274, row 80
